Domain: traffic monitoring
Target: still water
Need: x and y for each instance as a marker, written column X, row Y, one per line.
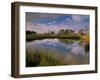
column 73, row 50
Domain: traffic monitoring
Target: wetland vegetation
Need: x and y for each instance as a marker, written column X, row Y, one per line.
column 50, row 49
column 54, row 39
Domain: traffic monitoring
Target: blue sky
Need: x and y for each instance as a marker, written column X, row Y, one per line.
column 44, row 22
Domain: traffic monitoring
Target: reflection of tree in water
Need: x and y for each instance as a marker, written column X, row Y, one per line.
column 80, row 42
column 87, row 47
column 66, row 41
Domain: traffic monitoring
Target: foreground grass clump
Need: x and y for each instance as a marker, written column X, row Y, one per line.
column 51, row 58
column 43, row 58
column 86, row 40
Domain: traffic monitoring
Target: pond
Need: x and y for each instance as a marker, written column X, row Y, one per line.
column 71, row 52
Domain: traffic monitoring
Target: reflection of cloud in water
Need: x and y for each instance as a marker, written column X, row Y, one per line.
column 78, row 50
column 43, row 43
column 50, row 41
column 49, row 44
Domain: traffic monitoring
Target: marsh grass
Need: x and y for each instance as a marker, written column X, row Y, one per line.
column 46, row 58
column 42, row 58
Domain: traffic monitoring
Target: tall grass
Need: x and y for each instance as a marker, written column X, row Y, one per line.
column 42, row 58
column 46, row 58
column 41, row 36
column 86, row 40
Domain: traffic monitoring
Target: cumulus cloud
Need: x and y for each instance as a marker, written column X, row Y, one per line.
column 44, row 22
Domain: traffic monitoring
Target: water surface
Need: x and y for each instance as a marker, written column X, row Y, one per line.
column 73, row 51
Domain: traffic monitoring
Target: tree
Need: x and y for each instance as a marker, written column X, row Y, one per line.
column 34, row 32
column 81, row 32
column 51, row 32
column 62, row 31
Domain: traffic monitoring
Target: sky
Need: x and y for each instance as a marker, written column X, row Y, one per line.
column 44, row 22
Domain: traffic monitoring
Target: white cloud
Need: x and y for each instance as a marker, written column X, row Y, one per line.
column 42, row 28
column 76, row 22
column 76, row 17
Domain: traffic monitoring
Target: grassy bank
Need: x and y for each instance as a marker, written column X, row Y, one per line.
column 33, row 37
column 47, row 58
column 86, row 40
column 43, row 58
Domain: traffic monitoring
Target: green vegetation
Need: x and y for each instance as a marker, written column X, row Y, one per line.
column 51, row 58
column 86, row 40
column 67, row 41
column 46, row 58
column 82, row 35
column 68, row 34
column 43, row 58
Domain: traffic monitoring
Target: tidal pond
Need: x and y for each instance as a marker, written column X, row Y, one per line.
column 54, row 52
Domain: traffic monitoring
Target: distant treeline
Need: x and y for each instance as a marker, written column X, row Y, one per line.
column 62, row 31
column 68, row 33
column 30, row 32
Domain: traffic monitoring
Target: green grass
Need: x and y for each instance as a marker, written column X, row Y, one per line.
column 42, row 58
column 39, row 36
column 46, row 58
